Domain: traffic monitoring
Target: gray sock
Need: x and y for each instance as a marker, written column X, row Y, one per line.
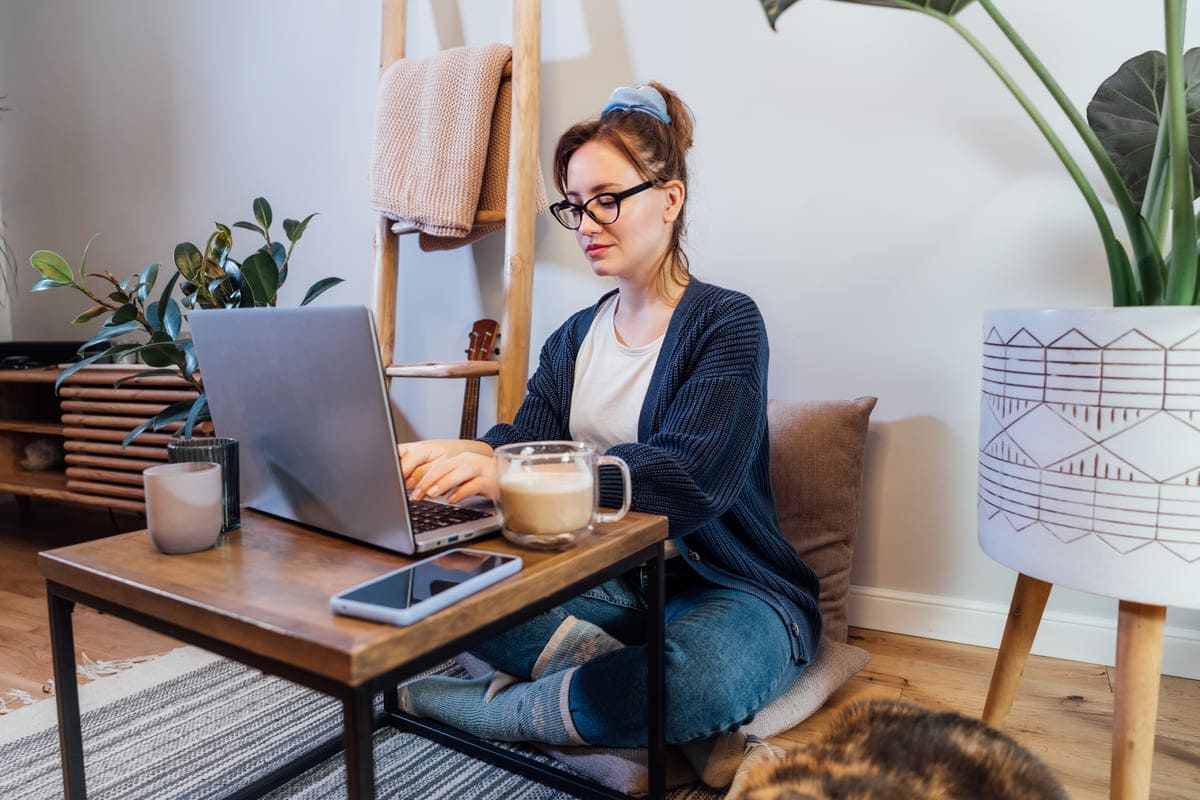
column 574, row 642
column 537, row 711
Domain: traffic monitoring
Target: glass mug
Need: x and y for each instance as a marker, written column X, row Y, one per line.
column 549, row 492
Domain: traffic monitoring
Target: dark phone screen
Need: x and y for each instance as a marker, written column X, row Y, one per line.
column 424, row 580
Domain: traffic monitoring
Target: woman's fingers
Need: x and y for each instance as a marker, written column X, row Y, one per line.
column 439, row 478
column 458, row 476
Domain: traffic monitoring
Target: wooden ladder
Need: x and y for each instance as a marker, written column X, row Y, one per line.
column 520, row 213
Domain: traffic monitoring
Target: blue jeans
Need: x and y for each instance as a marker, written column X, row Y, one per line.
column 726, row 656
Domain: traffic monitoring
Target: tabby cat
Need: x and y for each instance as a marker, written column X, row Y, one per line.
column 889, row 750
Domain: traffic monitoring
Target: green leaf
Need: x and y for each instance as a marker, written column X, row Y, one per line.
column 199, row 412
column 278, row 253
column 948, row 7
column 188, row 260
column 1128, row 109
column 146, row 281
column 119, row 382
column 78, row 365
column 53, row 267
column 83, row 261
column 124, row 314
column 107, row 334
column 118, row 296
column 262, row 212
column 319, row 288
column 172, row 413
column 91, row 313
column 260, row 272
column 249, row 226
column 161, row 351
column 164, row 304
column 189, row 357
column 136, row 432
column 44, row 284
column 294, row 230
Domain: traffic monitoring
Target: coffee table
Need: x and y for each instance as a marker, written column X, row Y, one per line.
column 261, row 597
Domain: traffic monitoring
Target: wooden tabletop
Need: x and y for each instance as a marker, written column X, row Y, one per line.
column 266, row 589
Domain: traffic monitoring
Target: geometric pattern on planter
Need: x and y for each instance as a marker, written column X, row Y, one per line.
column 1074, row 433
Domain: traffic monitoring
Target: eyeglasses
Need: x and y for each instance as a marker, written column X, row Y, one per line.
column 603, row 208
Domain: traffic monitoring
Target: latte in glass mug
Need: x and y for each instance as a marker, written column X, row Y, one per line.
column 548, row 491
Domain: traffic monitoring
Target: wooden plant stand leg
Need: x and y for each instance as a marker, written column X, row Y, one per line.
column 1024, row 616
column 1135, row 702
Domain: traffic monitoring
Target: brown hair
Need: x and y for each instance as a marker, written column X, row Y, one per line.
column 657, row 150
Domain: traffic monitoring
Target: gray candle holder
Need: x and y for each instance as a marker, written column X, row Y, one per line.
column 222, row 451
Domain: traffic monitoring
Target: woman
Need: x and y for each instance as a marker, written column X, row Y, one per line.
column 670, row 374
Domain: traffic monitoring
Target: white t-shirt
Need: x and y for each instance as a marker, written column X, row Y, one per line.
column 611, row 380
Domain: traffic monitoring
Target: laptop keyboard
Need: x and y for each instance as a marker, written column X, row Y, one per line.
column 427, row 516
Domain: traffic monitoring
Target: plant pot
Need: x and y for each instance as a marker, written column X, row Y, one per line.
column 1089, row 449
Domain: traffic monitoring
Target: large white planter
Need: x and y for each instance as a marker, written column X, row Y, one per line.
column 1089, row 449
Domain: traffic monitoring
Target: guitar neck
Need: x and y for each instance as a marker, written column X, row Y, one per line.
column 468, row 429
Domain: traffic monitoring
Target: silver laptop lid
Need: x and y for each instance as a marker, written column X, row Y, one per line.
column 302, row 390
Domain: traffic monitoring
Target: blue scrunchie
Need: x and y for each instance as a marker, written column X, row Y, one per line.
column 646, row 99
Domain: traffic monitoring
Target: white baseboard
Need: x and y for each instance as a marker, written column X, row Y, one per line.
column 1071, row 636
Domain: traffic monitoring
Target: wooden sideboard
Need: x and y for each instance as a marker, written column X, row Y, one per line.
column 90, row 418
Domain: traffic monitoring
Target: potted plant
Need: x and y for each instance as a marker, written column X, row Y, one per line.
column 136, row 307
column 1089, row 457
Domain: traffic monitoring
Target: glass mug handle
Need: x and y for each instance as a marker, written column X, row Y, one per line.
column 627, row 484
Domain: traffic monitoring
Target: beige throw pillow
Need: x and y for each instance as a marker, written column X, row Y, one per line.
column 817, row 450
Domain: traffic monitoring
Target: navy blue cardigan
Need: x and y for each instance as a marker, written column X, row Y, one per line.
column 702, row 455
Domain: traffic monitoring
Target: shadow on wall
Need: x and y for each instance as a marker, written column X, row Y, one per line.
column 912, row 476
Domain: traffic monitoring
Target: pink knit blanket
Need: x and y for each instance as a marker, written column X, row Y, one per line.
column 441, row 144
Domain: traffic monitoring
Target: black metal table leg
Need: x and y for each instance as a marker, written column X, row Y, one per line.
column 656, row 690
column 66, row 691
column 359, row 719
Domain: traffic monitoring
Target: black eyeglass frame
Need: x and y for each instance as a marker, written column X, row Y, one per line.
column 582, row 209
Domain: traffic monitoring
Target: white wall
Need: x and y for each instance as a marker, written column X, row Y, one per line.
column 860, row 173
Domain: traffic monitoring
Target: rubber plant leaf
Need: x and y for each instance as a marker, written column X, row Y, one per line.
column 176, row 412
column 262, row 275
column 188, row 260
column 950, row 7
column 319, row 288
column 262, row 212
column 1127, row 111
column 52, row 266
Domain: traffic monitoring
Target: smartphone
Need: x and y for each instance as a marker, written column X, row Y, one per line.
column 414, row 592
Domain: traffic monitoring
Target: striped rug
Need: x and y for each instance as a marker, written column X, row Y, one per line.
column 193, row 725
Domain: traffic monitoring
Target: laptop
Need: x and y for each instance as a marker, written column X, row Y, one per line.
column 302, row 390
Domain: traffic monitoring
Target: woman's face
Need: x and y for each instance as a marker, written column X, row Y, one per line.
column 630, row 247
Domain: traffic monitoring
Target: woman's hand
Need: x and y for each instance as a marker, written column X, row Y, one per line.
column 417, row 457
column 457, row 477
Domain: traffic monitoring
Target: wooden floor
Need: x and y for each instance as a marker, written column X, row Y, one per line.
column 1063, row 711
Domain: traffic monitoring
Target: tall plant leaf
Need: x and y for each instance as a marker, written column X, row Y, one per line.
column 950, row 7
column 1128, row 110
